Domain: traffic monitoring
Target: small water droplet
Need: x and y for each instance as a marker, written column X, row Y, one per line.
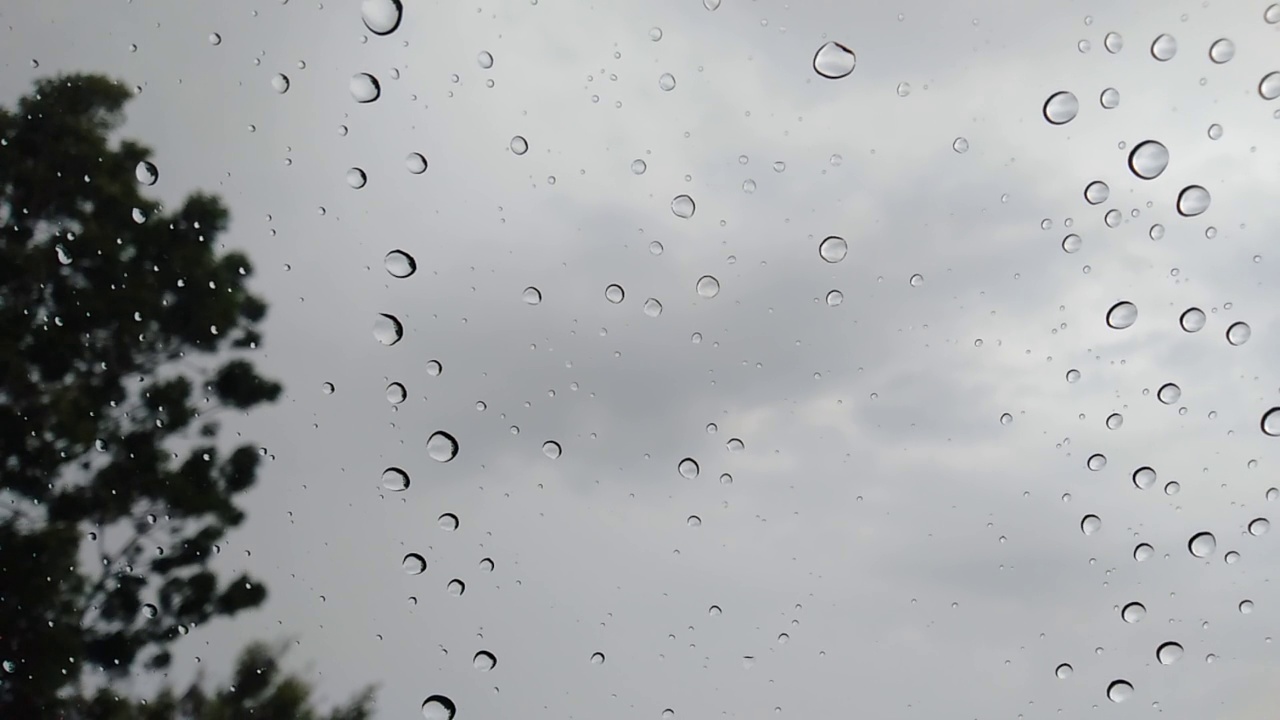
column 551, row 449
column 1109, row 99
column 1192, row 319
column 903, row 89
column 1113, row 42
column 688, row 468
column 448, row 522
column 1133, row 612
column 396, row 393
column 833, row 249
column 652, row 307
column 1222, row 50
column 1143, row 552
column 1115, row 421
column 415, row 163
column 519, row 145
column 682, row 206
column 1202, row 544
column 1090, row 524
column 382, row 17
column 434, row 368
column 1148, row 159
column 693, row 521
column 327, row 388
column 413, row 564
column 667, row 82
column 1006, row 419
column 484, row 661
column 456, row 587
column 486, row 565
column 531, row 296
column 215, row 39
column 395, row 479
column 438, row 707
column 1273, row 494
column 655, row 34
column 442, row 447
column 638, row 166
column 146, row 173
column 1215, row 132
column 834, row 61
column 708, row 287
column 1239, row 333
column 1144, row 478
column 1096, row 192
column 1164, row 47
column 1073, row 375
column 960, row 145
column 1168, row 653
column 598, row 658
column 1061, row 108
column 1119, row 691
column 614, row 294
column 364, row 88
column 1063, row 671
column 834, row 298
column 1122, row 315
column 485, row 59
column 387, row 329
column 1245, row 607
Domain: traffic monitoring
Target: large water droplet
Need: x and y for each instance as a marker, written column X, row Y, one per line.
column 442, row 447
column 1119, row 691
column 1164, row 47
column 688, row 468
column 1148, row 159
column 693, row 521
column 1245, row 607
column 1122, row 315
column 1269, row 86
column 1193, row 200
column 415, row 163
column 1259, row 526
column 485, row 59
column 280, row 83
column 438, row 707
column 434, row 368
column 382, row 17
column 1168, row 653
column 1109, row 99
column 667, row 82
column 1144, row 478
column 1096, row 462
column 484, row 661
column 960, row 145
column 456, row 587
column 614, row 294
column 652, row 307
column 1222, row 50
column 1239, row 333
column 448, row 522
column 638, row 166
column 1271, row 422
column 1096, row 192
column 413, row 564
column 519, row 145
column 146, row 173
column 598, row 658
column 1113, row 42
column 833, row 249
column 1061, row 108
column 1063, row 671
column 1202, row 544
column 387, row 329
column 396, row 393
column 1090, row 524
column 364, row 88
column 531, row 296
column 708, row 286
column 834, row 298
column 551, row 449
column 682, row 206
column 1273, row 494
column 1143, row 552
column 834, row 61
column 1169, row 393
column 356, row 178
column 1192, row 319
column 399, row 264
column 1115, row 421
column 395, row 479
column 1133, row 612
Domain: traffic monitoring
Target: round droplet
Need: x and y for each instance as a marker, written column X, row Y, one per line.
column 1063, row 671
column 531, row 296
column 1239, row 333
column 442, row 447
column 1090, row 524
column 1133, row 612
column 1271, row 422
column 708, row 286
column 1273, row 494
column 356, row 178
column 834, row 61
column 667, row 82
column 1269, row 86
column 434, row 368
column 387, row 329
column 688, row 468
column 1192, row 319
column 1259, row 526
column 395, row 479
column 834, row 298
column 1113, row 218
column 1113, row 42
column 960, row 145
column 438, row 707
column 1164, row 47
column 1245, row 607
column 415, row 163
column 1115, row 421
column 486, row 565
column 396, row 393
column 1215, row 132
column 1193, row 200
column 413, row 564
column 682, row 206
column 280, row 83
column 1006, row 419
column 1073, row 375
column 551, row 449
column 1061, row 108
column 150, row 610
column 327, row 388
column 638, row 166
column 1072, row 243
column 146, row 173
column 1122, row 315
column 399, row 264
column 693, row 521
column 1168, row 653
column 448, row 522
column 215, row 39
column 1144, row 478
column 655, row 34
column 1143, row 552
column 1109, row 99
column 1148, row 159
column 485, row 59
column 735, row 445
column 713, row 611
column 1231, row 557
column 1202, row 544
column 614, row 294
column 652, row 307
column 1169, row 393
column 1222, row 50
column 519, row 145
column 364, row 88
column 1119, row 691
column 456, row 587
column 833, row 249
column 382, row 17
column 1272, row 14
column 903, row 89
column 748, row 185
column 1096, row 462
column 597, row 658
column 484, row 661
column 1096, row 192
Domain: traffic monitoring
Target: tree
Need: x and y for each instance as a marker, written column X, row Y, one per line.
column 124, row 332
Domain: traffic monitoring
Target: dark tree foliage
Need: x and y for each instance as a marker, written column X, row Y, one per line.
column 123, row 331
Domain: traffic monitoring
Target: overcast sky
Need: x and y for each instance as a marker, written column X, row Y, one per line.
column 921, row 556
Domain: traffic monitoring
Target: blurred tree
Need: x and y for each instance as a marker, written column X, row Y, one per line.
column 122, row 335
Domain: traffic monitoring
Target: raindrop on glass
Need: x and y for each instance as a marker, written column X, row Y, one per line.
column 1133, row 612
column 1096, row 462
column 396, row 393
column 1269, row 86
column 652, row 307
column 1063, row 671
column 834, row 61
column 833, row 249
column 1122, row 315
column 1109, row 99
column 1115, row 421
column 1090, row 524
column 614, row 294
column 485, row 59
column 1271, row 422
column 364, row 88
column 395, row 479
column 1192, row 319
column 1164, row 47
column 1169, row 393
column 484, row 661
column 667, row 82
column 382, row 17
column 551, row 449
column 1222, row 50
column 399, row 264
column 442, row 447
column 413, row 564
column 387, row 329
column 1193, row 200
column 146, row 173
column 834, row 298
column 638, row 166
column 1239, row 333
column 448, row 522
column 1168, row 653
column 1096, row 192
column 519, row 145
column 1259, row 526
column 456, row 587
column 1143, row 552
column 415, row 163
column 1113, row 42
column 434, row 368
column 1061, row 108
column 960, row 145
column 1148, row 159
column 1202, row 544
column 688, row 468
column 1144, row 478
column 438, row 707
column 597, row 658
column 682, row 206
column 708, row 286
column 1119, row 691
column 280, row 83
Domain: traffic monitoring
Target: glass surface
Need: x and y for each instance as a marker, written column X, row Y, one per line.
column 666, row 360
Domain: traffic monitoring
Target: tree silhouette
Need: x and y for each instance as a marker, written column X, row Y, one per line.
column 123, row 334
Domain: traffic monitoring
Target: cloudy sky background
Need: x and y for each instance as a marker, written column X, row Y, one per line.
column 866, row 512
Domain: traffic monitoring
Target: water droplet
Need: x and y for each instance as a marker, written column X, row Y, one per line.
column 1202, row 544
column 456, row 587
column 1113, row 218
column 1245, row 607
column 1259, row 526
column 1061, row 108
column 1164, row 47
column 327, row 388
column 1269, row 86
column 356, row 178
column 396, row 393
column 682, row 206
column 1096, row 462
column 387, row 329
column 834, row 298
column 1073, row 375
column 904, row 89
column 486, row 565
column 748, row 185
column 655, row 34
column 1215, row 132
column 413, row 564
column 1096, row 192
column 146, row 173
column 1231, row 557
column 1090, row 524
column 415, row 163
column 280, row 83
column 1113, row 42
column 150, row 610
column 614, row 294
column 638, row 166
column 434, row 368
column 437, row 707
column 382, row 17
column 1168, row 653
column 735, row 445
column 1192, row 319
column 531, row 296
column 1133, row 612
column 399, row 264
column 1148, row 159
column 667, row 82
column 688, row 468
column 708, row 286
column 1063, row 671
column 1119, row 691
column 215, row 39
column 484, row 661
column 693, row 521
column 1273, row 494
column 1006, row 419
column 1169, row 393
column 448, row 522
column 726, row 479
column 485, row 59
column 833, row 249
column 442, row 447
column 1122, row 315
column 713, row 611
column 1109, row 99
column 960, row 145
column 519, row 145
column 1144, row 478
column 598, row 658
column 652, row 307
column 551, row 449
column 1115, row 421
column 1239, row 333
column 1271, row 422
column 1143, row 552
column 834, row 61
column 364, row 88
column 1272, row 14
column 395, row 479
column 1222, row 50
